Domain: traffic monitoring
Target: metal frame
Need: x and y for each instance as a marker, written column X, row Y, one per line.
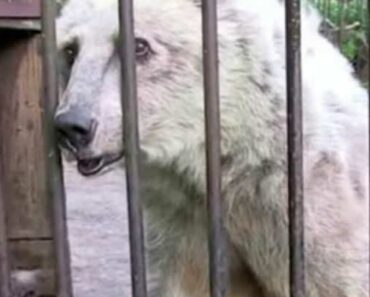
column 217, row 242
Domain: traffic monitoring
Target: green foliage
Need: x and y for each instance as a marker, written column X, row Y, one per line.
column 346, row 24
column 348, row 18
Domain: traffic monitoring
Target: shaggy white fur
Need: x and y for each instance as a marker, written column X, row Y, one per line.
column 253, row 128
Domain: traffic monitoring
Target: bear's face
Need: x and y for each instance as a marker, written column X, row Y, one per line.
column 169, row 80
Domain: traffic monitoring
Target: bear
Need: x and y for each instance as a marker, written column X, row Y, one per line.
column 170, row 95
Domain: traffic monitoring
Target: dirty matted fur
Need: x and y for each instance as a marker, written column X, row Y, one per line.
column 253, row 128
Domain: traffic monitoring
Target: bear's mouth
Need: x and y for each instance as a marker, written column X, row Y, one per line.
column 87, row 163
column 94, row 165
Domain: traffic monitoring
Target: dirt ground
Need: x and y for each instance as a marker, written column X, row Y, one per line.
column 98, row 234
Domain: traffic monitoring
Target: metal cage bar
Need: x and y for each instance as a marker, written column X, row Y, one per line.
column 54, row 175
column 131, row 146
column 218, row 268
column 367, row 23
column 295, row 147
column 4, row 267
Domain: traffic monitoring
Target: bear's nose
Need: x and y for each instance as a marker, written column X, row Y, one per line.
column 75, row 129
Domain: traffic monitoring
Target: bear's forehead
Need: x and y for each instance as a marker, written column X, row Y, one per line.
column 166, row 18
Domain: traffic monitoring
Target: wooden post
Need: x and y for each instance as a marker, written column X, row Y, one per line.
column 28, row 205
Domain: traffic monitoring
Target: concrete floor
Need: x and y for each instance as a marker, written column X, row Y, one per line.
column 97, row 219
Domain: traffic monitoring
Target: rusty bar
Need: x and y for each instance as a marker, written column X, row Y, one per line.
column 131, row 146
column 4, row 267
column 55, row 184
column 20, row 9
column 217, row 243
column 295, row 147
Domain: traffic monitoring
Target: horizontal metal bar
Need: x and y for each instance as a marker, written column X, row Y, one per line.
column 131, row 146
column 20, row 9
column 295, row 147
column 54, row 176
column 4, row 267
column 217, row 242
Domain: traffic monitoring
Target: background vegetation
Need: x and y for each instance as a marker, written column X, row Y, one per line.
column 346, row 24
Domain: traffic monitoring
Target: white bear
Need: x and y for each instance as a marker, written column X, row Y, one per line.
column 253, row 128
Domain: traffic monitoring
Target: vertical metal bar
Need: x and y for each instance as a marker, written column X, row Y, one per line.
column 54, row 175
column 131, row 146
column 4, row 267
column 367, row 27
column 217, row 245
column 295, row 147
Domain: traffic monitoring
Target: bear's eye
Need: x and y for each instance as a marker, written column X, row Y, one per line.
column 142, row 48
column 70, row 53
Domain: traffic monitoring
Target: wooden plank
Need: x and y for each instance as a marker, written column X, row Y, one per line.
column 22, row 160
column 21, row 145
column 4, row 268
column 20, row 24
column 20, row 8
column 36, row 257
